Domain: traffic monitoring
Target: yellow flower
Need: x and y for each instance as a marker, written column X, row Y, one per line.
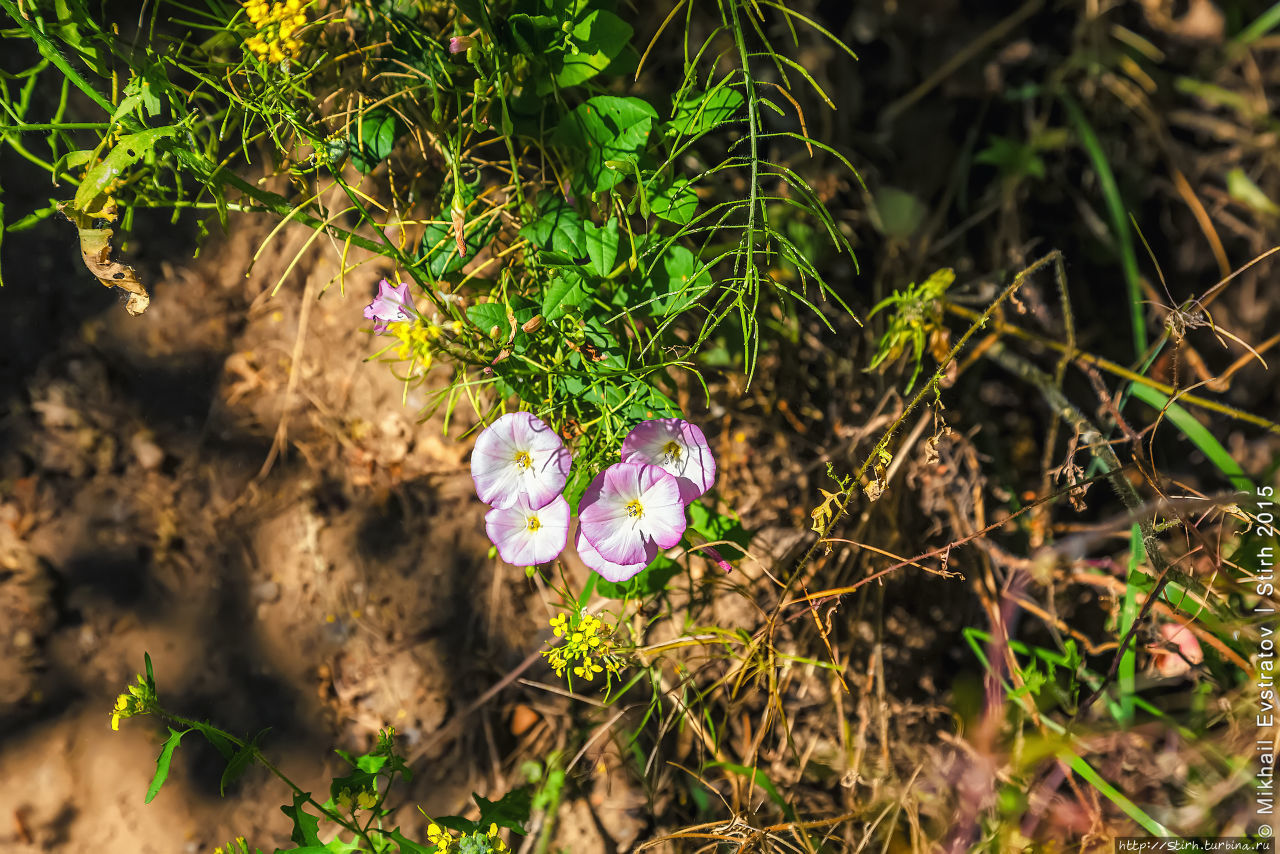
column 439, row 837
column 588, row 647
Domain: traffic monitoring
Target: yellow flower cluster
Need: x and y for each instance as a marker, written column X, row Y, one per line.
column 239, row 846
column 138, row 700
column 364, row 799
column 588, row 641
column 416, row 339
column 446, row 843
column 276, row 24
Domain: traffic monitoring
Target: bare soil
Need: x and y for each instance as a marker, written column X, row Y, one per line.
column 325, row 591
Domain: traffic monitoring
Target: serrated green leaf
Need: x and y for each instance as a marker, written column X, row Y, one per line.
column 371, row 763
column 456, row 823
column 602, row 246
column 239, row 762
column 220, row 742
column 510, row 811
column 306, row 827
column 162, row 762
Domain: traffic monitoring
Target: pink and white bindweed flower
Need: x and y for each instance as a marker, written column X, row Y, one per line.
column 390, row 306
column 526, row 535
column 678, row 448
column 519, row 455
column 461, row 44
column 630, row 512
column 608, row 570
column 1178, row 652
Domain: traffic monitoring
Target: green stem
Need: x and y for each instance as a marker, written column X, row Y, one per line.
column 1119, row 220
column 749, row 238
column 188, row 159
column 1110, row 367
column 266, row 763
column 391, row 248
column 1092, row 438
column 882, row 445
column 24, row 127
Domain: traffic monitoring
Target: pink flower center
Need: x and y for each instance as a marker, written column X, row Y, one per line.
column 533, row 524
column 523, row 459
column 672, row 450
column 635, row 509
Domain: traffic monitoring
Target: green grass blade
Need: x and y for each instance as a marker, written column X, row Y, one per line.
column 1198, row 434
column 1111, row 793
column 1127, row 675
column 1119, row 221
column 1265, row 23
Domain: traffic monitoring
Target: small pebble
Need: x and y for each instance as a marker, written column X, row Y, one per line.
column 267, row 591
column 149, row 454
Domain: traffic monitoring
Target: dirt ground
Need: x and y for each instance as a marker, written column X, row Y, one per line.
column 229, row 484
column 326, row 591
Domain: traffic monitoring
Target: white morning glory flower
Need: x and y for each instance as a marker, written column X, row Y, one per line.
column 678, row 448
column 518, row 455
column 527, row 535
column 631, row 512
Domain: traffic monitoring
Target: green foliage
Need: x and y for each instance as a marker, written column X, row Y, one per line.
column 1015, row 159
column 577, row 268
column 917, row 318
column 569, row 231
column 371, row 141
column 162, row 762
column 355, row 806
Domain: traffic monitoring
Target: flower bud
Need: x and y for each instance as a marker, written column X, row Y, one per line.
column 458, row 44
